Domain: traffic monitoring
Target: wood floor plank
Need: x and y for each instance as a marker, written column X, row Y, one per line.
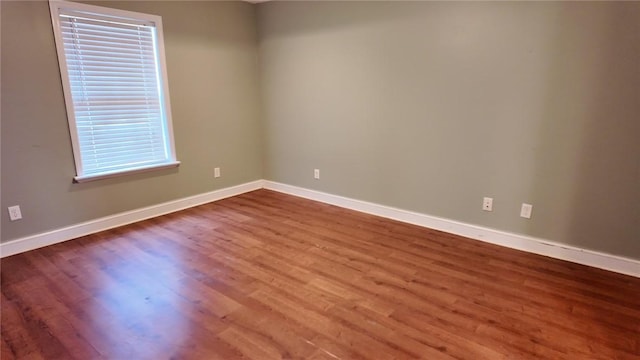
column 16, row 340
column 265, row 275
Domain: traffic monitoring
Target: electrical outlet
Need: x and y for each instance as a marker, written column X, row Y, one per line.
column 316, row 174
column 216, row 172
column 487, row 204
column 525, row 210
column 15, row 213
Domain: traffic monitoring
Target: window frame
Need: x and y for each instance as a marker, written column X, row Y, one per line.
column 56, row 6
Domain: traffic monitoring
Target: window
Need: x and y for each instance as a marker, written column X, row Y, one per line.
column 115, row 89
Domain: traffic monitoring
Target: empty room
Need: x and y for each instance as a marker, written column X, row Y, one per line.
column 320, row 180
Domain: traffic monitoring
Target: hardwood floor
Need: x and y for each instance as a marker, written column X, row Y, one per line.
column 267, row 276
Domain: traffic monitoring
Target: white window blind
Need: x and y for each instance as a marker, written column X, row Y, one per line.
column 114, row 90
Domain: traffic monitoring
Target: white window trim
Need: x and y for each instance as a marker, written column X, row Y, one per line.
column 55, row 7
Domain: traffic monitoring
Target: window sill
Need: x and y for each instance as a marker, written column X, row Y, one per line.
column 107, row 175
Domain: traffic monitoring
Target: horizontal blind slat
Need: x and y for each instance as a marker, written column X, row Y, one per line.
column 130, row 149
column 139, row 153
column 105, row 58
column 125, row 156
column 112, row 29
column 105, row 138
column 105, row 41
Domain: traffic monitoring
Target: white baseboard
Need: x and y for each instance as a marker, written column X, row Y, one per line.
column 515, row 241
column 74, row 231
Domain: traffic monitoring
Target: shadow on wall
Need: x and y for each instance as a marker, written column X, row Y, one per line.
column 589, row 143
column 588, row 140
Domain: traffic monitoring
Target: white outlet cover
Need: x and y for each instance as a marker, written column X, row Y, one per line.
column 487, row 204
column 15, row 213
column 525, row 210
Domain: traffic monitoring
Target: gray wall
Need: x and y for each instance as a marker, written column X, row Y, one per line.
column 429, row 106
column 212, row 67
